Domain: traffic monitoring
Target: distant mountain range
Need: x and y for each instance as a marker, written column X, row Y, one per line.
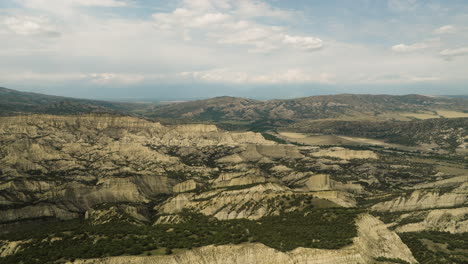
column 15, row 102
column 233, row 110
column 349, row 107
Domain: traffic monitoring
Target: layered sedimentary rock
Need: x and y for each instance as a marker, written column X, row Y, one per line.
column 63, row 166
column 425, row 199
column 346, row 154
column 442, row 220
column 66, row 166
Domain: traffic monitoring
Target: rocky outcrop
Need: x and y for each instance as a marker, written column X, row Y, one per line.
column 319, row 182
column 340, row 198
column 239, row 178
column 120, row 212
column 375, row 240
column 346, row 154
column 249, row 202
column 37, row 211
column 8, row 248
column 450, row 182
column 442, row 220
column 242, row 254
column 422, row 199
column 186, row 186
column 73, row 163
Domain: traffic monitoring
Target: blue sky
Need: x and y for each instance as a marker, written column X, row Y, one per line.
column 263, row 49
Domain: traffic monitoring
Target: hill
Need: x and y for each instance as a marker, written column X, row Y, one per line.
column 341, row 106
column 14, row 102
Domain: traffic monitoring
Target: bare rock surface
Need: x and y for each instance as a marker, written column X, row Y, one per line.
column 423, row 199
column 442, row 220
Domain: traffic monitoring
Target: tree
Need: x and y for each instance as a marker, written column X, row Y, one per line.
column 168, row 251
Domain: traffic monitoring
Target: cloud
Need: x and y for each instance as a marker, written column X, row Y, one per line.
column 185, row 18
column 448, row 29
column 451, row 53
column 104, row 3
column 240, row 77
column 209, row 19
column 29, row 25
column 250, row 8
column 202, row 41
column 68, row 8
column 404, row 48
column 263, row 39
column 397, row 78
column 232, row 23
column 40, row 77
column 409, row 48
column 44, row 4
column 304, row 43
column 112, row 78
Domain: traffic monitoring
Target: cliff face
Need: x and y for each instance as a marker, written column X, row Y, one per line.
column 443, row 220
column 65, row 166
column 62, row 166
column 242, row 254
column 428, row 198
column 374, row 240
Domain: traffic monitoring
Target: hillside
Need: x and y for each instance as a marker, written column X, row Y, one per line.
column 444, row 133
column 15, row 102
column 342, row 106
column 97, row 186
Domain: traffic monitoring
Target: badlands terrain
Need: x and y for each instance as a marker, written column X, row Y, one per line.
column 331, row 179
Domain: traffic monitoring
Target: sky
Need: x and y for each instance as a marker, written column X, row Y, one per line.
column 187, row 49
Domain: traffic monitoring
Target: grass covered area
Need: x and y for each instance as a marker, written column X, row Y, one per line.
column 330, row 228
column 437, row 247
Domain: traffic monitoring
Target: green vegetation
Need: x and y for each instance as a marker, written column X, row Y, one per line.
column 446, row 133
column 276, row 139
column 15, row 102
column 53, row 241
column 392, row 260
column 437, row 247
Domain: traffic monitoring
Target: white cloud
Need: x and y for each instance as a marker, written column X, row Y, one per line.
column 29, row 25
column 209, row 19
column 45, row 4
column 240, row 77
column 448, row 29
column 252, row 8
column 105, row 3
column 204, row 41
column 264, row 39
column 67, row 8
column 450, row 53
column 409, row 48
column 111, row 78
column 206, row 5
column 230, row 22
column 404, row 48
column 304, row 43
column 40, row 77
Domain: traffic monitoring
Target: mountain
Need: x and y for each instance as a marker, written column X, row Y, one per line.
column 342, row 106
column 15, row 102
